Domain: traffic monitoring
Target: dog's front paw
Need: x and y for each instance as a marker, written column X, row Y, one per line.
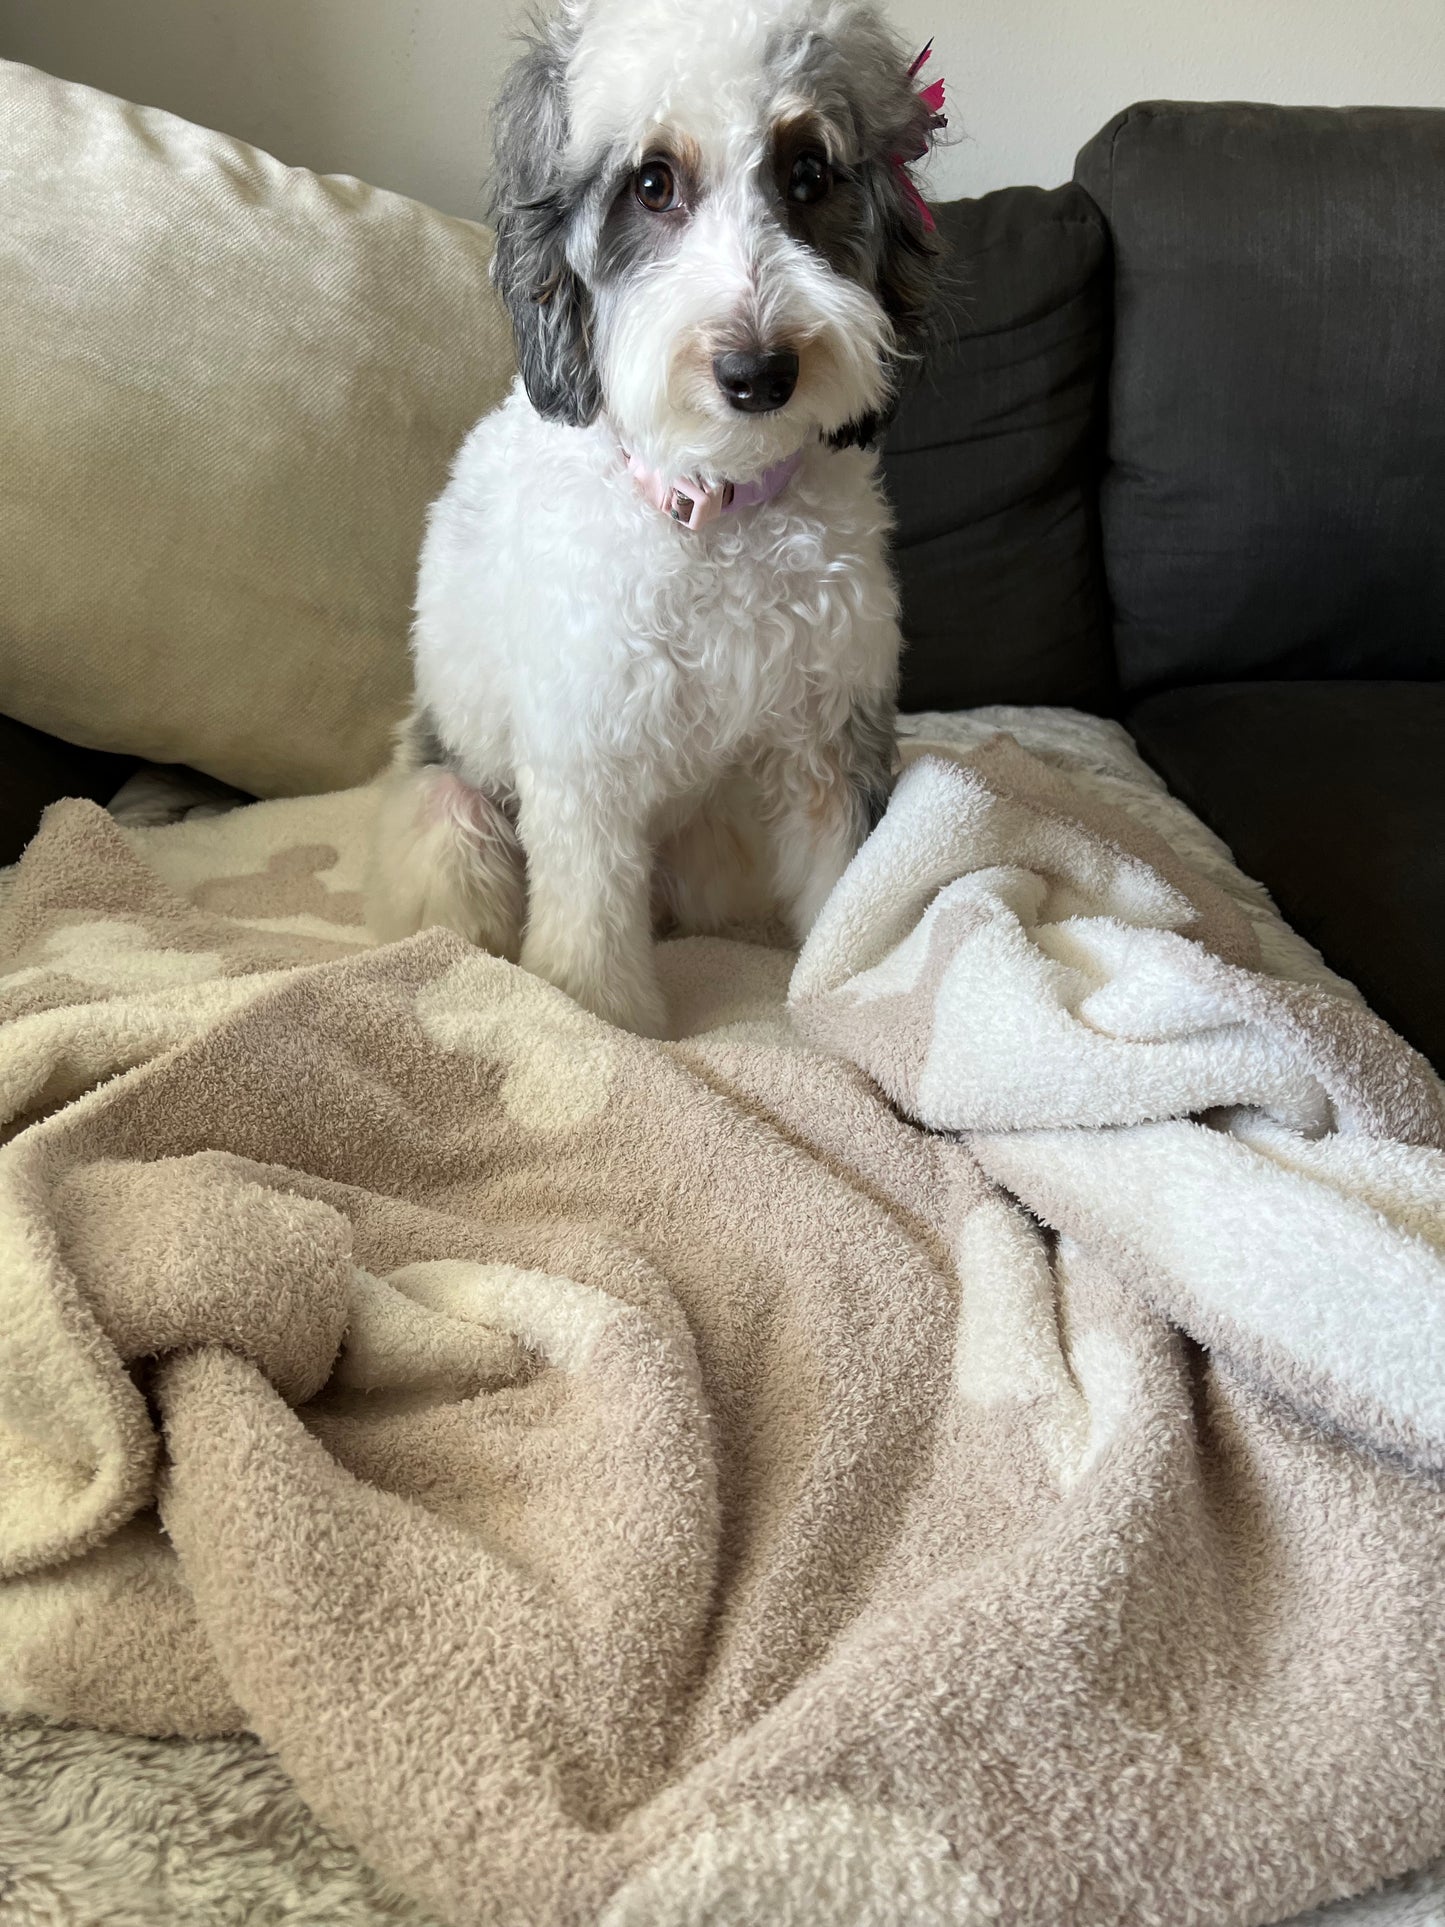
column 639, row 1009
column 632, row 1000
column 644, row 1017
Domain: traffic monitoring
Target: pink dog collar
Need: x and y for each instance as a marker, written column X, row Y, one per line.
column 692, row 505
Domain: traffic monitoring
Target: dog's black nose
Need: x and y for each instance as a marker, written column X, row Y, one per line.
column 757, row 384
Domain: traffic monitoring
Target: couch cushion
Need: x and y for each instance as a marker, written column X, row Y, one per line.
column 231, row 388
column 1332, row 795
column 1272, row 505
column 991, row 460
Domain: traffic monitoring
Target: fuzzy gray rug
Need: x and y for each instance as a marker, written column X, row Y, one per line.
column 97, row 1830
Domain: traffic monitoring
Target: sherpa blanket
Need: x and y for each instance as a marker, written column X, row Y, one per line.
column 954, row 1437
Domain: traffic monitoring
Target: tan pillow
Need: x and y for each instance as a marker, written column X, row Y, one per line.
column 230, row 389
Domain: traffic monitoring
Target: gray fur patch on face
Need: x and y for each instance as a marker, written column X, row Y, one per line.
column 864, row 109
column 633, row 237
column 533, row 205
column 835, row 227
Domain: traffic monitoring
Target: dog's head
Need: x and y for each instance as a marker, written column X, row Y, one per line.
column 704, row 228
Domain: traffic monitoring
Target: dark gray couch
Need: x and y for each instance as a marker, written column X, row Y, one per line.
column 1180, row 457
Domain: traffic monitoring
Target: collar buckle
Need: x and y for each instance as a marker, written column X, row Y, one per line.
column 694, row 505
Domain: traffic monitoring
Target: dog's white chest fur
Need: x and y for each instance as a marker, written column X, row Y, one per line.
column 556, row 609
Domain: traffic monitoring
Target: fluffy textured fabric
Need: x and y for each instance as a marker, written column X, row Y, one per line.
column 636, row 1482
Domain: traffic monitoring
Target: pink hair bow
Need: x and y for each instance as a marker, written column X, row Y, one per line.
column 932, row 99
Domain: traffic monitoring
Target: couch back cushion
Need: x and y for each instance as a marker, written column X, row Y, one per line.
column 991, row 462
column 231, row 389
column 1272, row 506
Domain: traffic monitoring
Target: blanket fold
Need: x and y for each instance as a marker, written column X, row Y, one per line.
column 1279, row 1195
column 955, row 1436
column 1006, row 957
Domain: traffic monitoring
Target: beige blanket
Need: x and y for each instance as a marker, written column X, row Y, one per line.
column 652, row 1484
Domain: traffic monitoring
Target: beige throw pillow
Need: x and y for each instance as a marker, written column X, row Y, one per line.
column 230, row 389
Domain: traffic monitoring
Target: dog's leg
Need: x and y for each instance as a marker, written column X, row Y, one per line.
column 713, row 869
column 444, row 853
column 820, row 808
column 817, row 827
column 589, row 923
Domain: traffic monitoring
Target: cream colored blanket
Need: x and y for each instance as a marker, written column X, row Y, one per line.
column 649, row 1484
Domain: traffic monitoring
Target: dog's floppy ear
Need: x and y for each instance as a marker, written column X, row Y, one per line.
column 531, row 208
column 906, row 258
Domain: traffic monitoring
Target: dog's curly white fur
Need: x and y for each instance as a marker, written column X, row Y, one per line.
column 712, row 265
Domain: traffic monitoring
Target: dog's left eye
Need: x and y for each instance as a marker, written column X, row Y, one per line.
column 656, row 187
column 810, row 179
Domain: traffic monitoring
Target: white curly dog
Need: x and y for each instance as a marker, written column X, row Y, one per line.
column 656, row 641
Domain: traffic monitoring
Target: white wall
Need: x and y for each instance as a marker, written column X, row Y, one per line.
column 1036, row 78
column 397, row 90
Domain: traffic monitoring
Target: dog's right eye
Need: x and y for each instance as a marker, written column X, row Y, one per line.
column 656, row 187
